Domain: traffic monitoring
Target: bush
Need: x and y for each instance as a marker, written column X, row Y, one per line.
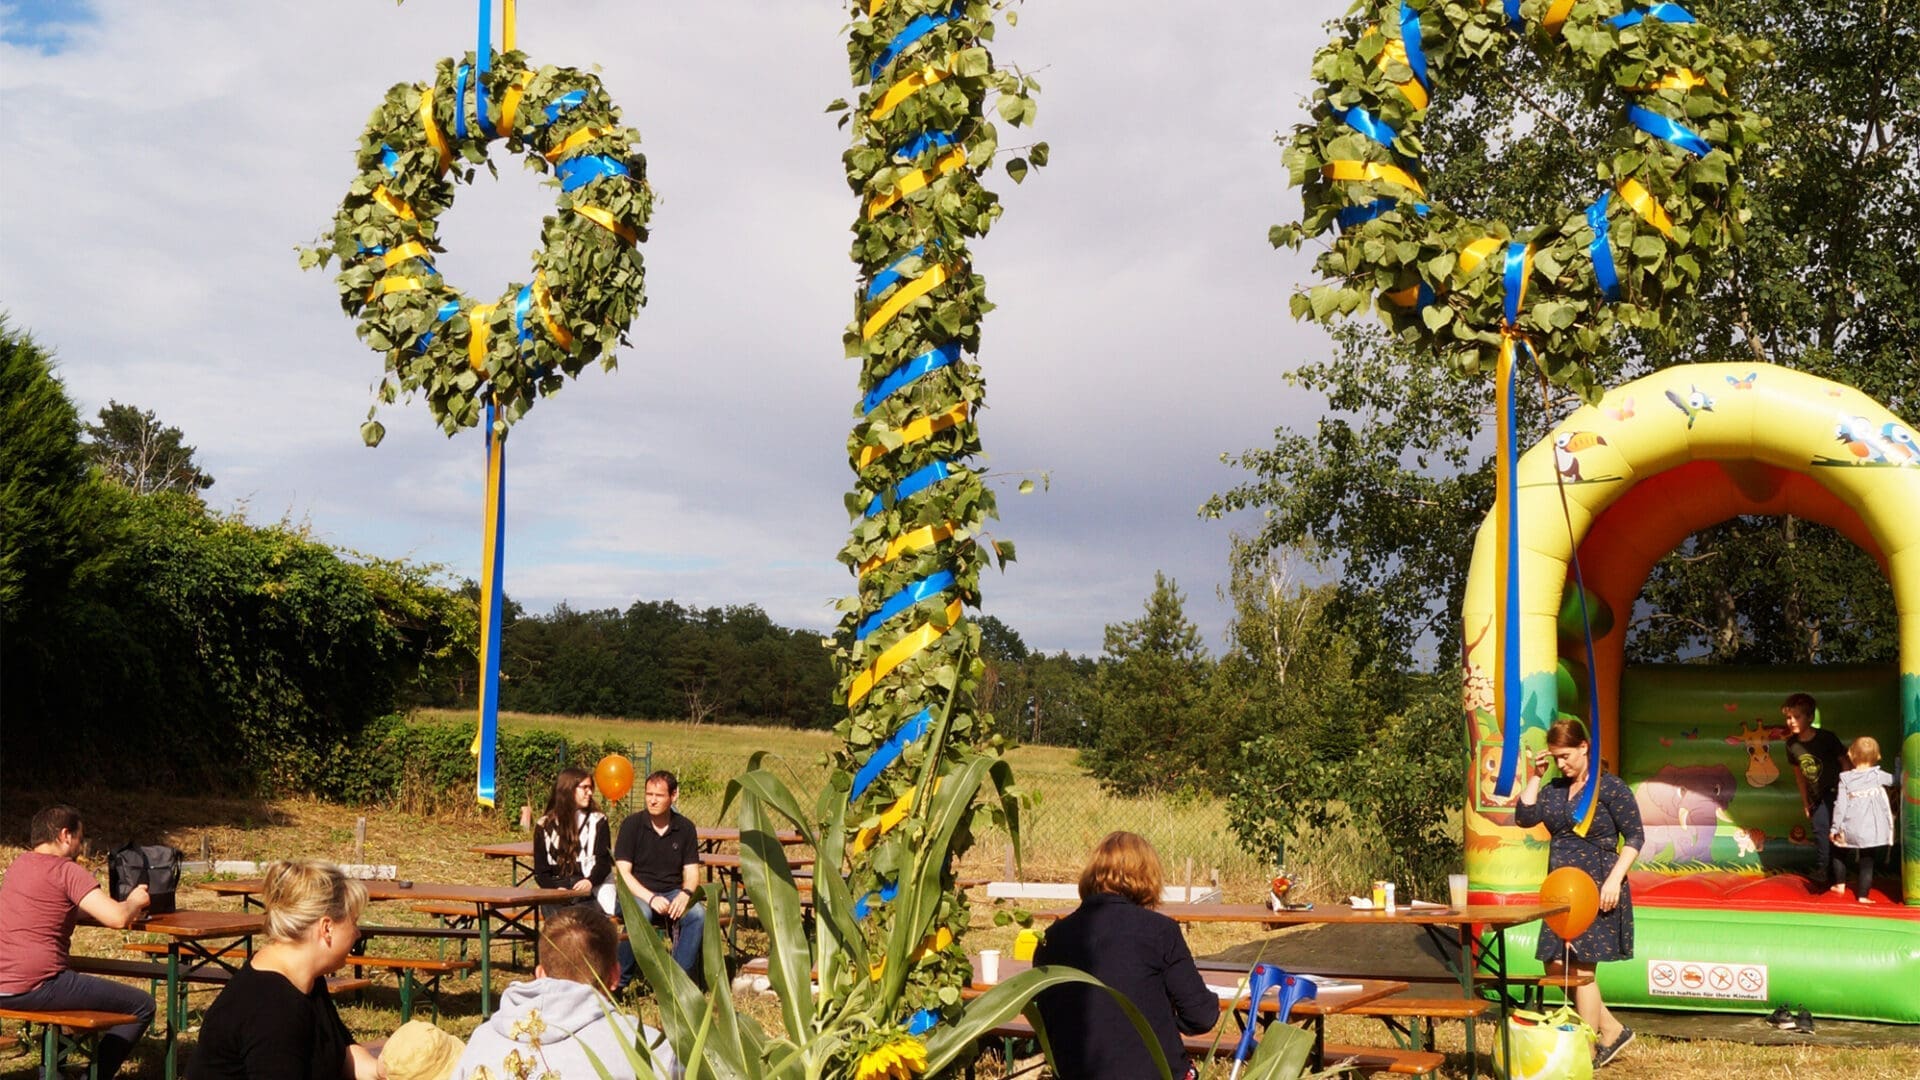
column 429, row 768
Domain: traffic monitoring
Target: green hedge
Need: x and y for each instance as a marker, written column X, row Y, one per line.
column 393, row 762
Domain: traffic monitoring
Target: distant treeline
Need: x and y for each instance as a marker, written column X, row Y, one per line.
column 664, row 660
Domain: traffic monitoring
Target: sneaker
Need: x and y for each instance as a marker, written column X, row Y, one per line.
column 1803, row 1023
column 1612, row 1050
column 1781, row 1017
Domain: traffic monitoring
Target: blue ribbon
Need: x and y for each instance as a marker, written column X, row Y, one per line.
column 920, row 27
column 521, row 305
column 565, row 101
column 447, row 311
column 891, row 276
column 913, row 484
column 1511, row 703
column 460, row 101
column 1348, row 217
column 1513, row 15
column 490, row 678
column 1661, row 127
column 1585, row 803
column 389, row 158
column 922, row 1022
column 927, row 140
column 1369, row 125
column 1410, row 38
column 578, row 172
column 1515, row 280
column 863, row 907
column 1668, row 13
column 927, row 587
column 1601, row 248
column 889, row 752
column 931, row 360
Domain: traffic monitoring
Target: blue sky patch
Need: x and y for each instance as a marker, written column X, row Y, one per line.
column 43, row 25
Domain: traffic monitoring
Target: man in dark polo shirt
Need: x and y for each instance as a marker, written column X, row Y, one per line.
column 658, row 856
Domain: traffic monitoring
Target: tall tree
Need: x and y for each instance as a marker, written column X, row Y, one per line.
column 1393, row 480
column 135, row 450
column 1153, row 729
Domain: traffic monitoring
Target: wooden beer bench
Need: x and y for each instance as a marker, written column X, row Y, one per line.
column 65, row 1032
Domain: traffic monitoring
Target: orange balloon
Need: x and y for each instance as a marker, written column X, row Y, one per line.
column 614, row 777
column 1571, row 886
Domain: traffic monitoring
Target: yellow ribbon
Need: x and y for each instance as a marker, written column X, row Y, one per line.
column 923, row 428
column 1406, row 297
column 543, row 301
column 477, row 345
column 901, row 297
column 604, row 218
column 393, row 203
column 918, row 540
column 899, row 652
column 507, row 26
column 1395, row 52
column 489, row 554
column 911, row 85
column 1556, row 16
column 510, row 101
column 1364, row 171
column 394, row 283
column 435, row 137
column 1476, row 253
column 1681, row 79
column 929, row 947
column 1644, row 204
column 573, row 141
column 412, row 249
column 889, row 818
column 916, row 180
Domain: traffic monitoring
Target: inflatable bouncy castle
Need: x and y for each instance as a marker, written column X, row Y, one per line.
column 1725, row 919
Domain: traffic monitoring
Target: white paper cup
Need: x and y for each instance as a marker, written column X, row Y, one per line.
column 1457, row 890
column 989, row 966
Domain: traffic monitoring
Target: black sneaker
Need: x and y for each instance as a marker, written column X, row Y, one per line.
column 1803, row 1023
column 1781, row 1017
column 1612, row 1050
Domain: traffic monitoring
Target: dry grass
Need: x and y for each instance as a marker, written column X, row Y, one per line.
column 433, row 847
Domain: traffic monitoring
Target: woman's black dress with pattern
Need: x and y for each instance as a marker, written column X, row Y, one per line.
column 1617, row 818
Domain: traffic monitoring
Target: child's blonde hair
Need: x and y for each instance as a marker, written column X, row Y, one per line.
column 1864, row 751
column 300, row 893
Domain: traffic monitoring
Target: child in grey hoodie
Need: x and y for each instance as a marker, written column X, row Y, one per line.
column 547, row 1024
column 1862, row 817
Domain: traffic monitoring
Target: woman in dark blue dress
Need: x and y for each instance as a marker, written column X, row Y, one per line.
column 1605, row 853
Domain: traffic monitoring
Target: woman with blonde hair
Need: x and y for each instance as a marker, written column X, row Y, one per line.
column 1117, row 937
column 275, row 1019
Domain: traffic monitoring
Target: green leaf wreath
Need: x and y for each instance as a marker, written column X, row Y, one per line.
column 1666, row 185
column 588, row 280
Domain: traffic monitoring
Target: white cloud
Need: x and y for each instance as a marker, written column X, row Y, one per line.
column 164, row 162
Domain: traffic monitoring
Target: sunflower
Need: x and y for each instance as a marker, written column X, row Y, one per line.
column 901, row 1058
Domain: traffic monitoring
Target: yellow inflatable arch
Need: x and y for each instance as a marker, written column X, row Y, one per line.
column 1655, row 461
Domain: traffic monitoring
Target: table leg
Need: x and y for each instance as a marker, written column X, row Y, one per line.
column 486, row 961
column 176, row 1018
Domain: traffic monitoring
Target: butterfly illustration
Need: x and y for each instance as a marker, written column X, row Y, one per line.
column 1622, row 411
column 1694, row 734
column 1743, row 384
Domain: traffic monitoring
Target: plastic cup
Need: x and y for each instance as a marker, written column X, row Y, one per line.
column 1457, row 891
column 989, row 966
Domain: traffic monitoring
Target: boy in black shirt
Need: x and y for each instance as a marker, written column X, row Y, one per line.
column 1818, row 758
column 658, row 856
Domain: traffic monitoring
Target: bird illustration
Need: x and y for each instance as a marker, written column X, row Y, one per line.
column 1743, row 384
column 1898, row 444
column 1664, row 741
column 1622, row 411
column 1857, row 434
column 1694, row 734
column 1567, row 444
column 1693, row 404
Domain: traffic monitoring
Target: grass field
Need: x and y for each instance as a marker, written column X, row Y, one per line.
column 433, row 847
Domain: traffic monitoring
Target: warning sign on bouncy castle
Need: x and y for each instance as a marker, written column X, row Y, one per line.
column 1707, row 979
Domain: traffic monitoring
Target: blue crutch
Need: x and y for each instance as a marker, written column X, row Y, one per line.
column 1291, row 989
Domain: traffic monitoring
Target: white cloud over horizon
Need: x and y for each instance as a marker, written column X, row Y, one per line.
column 165, row 159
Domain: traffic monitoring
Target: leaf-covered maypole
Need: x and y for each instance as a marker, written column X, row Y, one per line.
column 906, row 651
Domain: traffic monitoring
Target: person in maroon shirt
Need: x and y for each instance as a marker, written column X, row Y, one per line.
column 41, row 898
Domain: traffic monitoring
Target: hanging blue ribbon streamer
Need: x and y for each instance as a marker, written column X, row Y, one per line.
column 521, row 305
column 1410, row 38
column 1585, row 803
column 482, row 57
column 1515, row 281
column 1668, row 13
column 926, row 140
column 931, row 360
column 460, row 101
column 913, row 484
column 1511, row 710
column 909, row 733
column 564, row 102
column 926, row 588
column 1661, row 127
column 920, row 27
column 1513, row 15
column 891, row 276
column 490, row 678
column 1369, row 125
column 578, row 172
column 1601, row 248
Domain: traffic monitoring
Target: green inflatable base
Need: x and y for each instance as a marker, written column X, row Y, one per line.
column 1849, row 967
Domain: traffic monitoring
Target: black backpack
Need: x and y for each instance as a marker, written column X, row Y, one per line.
column 156, row 866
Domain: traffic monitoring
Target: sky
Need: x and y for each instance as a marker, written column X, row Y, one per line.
column 164, row 160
